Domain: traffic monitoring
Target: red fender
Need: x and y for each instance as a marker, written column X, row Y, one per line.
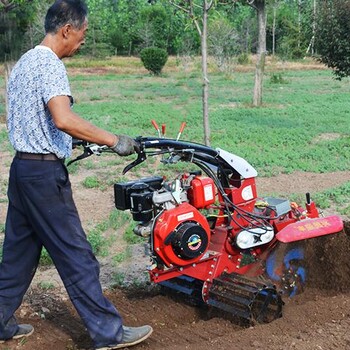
column 310, row 228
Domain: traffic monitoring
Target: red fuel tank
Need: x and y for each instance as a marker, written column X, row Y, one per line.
column 202, row 192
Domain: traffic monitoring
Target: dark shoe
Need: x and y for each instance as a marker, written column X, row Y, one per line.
column 131, row 336
column 24, row 330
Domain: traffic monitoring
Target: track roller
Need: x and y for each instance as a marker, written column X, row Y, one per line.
column 244, row 297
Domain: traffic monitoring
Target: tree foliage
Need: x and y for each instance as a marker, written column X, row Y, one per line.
column 333, row 36
column 125, row 27
column 9, row 5
column 15, row 19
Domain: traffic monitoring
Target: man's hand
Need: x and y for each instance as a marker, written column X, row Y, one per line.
column 125, row 146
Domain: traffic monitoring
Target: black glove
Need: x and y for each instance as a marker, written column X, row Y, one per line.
column 76, row 142
column 125, row 146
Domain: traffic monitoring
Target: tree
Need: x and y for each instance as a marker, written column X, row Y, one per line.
column 275, row 5
column 222, row 41
column 194, row 9
column 311, row 47
column 259, row 6
column 154, row 26
column 333, row 38
column 9, row 5
column 15, row 17
column 101, row 19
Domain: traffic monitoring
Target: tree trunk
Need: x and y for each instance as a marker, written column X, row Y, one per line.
column 205, row 92
column 261, row 54
column 274, row 30
column 311, row 47
column 299, row 23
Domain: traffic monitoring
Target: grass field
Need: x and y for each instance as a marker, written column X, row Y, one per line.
column 304, row 123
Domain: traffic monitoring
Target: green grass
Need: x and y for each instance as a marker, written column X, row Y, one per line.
column 339, row 196
column 122, row 256
column 91, row 182
column 46, row 285
column 280, row 135
column 302, row 125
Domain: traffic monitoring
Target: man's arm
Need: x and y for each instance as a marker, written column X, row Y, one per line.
column 69, row 122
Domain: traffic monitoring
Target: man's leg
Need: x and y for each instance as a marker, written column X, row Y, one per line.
column 54, row 218
column 21, row 253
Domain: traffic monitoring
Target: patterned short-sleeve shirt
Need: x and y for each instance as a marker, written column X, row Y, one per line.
column 37, row 77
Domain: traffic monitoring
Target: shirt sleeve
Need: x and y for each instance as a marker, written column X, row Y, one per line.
column 54, row 80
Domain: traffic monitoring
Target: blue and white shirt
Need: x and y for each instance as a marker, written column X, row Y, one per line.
column 37, row 77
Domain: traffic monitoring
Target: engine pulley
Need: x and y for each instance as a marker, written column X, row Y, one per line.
column 190, row 240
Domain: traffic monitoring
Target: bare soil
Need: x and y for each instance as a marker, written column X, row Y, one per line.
column 318, row 319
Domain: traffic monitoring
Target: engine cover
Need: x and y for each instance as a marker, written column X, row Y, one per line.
column 181, row 235
column 189, row 240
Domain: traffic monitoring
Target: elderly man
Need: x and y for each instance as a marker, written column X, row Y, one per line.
column 41, row 210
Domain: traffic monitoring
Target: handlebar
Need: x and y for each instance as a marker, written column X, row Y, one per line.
column 145, row 143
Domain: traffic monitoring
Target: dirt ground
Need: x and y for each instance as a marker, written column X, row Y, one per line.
column 318, row 319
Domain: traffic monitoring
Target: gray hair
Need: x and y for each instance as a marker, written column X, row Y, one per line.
column 64, row 12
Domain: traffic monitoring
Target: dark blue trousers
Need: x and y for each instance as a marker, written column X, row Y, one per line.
column 42, row 212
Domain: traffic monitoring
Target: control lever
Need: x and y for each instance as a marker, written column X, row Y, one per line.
column 89, row 149
column 182, row 127
column 154, row 123
column 141, row 157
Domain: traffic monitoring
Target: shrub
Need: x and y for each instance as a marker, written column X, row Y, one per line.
column 154, row 59
column 243, row 58
column 277, row 78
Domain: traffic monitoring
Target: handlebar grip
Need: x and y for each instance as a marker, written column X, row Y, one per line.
column 182, row 127
column 154, row 123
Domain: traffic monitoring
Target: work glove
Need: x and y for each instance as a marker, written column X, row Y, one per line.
column 125, row 146
column 76, row 143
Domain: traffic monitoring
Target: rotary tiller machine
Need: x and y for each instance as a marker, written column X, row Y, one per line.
column 211, row 237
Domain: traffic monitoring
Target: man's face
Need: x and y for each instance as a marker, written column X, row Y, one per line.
column 76, row 38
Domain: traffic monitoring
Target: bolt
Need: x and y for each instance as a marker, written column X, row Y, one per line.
column 210, row 273
column 193, row 265
column 237, row 267
column 157, row 249
column 181, row 268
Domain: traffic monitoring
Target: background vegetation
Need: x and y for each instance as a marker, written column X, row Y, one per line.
column 295, row 28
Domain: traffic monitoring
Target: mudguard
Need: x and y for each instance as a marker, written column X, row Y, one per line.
column 310, row 228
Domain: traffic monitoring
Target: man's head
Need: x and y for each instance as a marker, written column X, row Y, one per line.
column 62, row 12
column 66, row 20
